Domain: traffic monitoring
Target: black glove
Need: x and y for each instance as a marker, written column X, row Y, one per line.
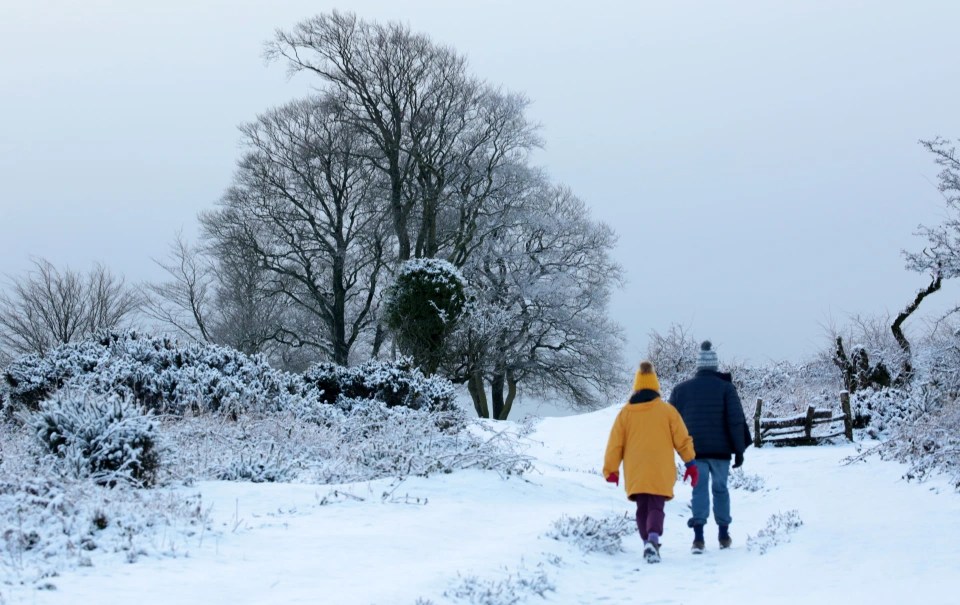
column 737, row 460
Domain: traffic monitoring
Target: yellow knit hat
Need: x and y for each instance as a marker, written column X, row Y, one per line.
column 646, row 378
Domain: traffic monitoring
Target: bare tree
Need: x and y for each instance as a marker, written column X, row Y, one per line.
column 185, row 301
column 540, row 313
column 216, row 295
column 48, row 307
column 303, row 204
column 674, row 354
column 437, row 134
column 940, row 258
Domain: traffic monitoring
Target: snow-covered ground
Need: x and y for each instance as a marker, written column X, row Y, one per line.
column 866, row 536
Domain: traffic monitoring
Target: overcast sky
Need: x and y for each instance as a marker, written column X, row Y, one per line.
column 759, row 159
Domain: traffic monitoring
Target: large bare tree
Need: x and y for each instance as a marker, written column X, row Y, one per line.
column 48, row 307
column 439, row 137
column 303, row 204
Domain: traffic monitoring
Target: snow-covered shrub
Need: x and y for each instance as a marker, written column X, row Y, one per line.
column 593, row 535
column 423, row 306
column 51, row 524
column 159, row 373
column 518, row 585
column 741, row 480
column 786, row 388
column 257, row 468
column 390, row 441
column 929, row 445
column 396, row 383
column 108, row 438
column 332, row 445
column 880, row 410
column 778, row 530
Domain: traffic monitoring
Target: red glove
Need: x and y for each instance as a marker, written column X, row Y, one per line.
column 613, row 478
column 692, row 473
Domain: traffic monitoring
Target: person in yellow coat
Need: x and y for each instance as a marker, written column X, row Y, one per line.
column 644, row 436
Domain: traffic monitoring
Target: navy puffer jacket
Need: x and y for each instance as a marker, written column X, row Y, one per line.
column 710, row 407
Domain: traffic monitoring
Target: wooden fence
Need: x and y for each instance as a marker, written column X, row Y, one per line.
column 799, row 429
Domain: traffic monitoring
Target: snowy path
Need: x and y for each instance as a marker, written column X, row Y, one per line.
column 867, row 537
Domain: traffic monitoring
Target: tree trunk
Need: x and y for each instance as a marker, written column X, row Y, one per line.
column 847, row 370
column 477, row 394
column 906, row 368
column 496, row 392
column 511, row 395
column 341, row 351
column 397, row 209
column 379, row 336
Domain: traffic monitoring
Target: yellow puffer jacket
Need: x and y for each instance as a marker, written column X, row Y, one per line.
column 644, row 437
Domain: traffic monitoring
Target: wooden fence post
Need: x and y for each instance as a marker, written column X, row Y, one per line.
column 756, row 423
column 847, row 414
column 808, row 423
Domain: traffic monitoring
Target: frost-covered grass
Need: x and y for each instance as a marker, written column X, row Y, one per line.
column 514, row 586
column 778, row 530
column 59, row 463
column 594, row 535
column 741, row 480
column 413, row 485
column 476, row 536
column 369, row 441
column 53, row 522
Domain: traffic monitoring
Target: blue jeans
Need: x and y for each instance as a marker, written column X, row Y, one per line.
column 713, row 479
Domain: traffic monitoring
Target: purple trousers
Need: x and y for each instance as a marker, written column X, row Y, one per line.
column 649, row 514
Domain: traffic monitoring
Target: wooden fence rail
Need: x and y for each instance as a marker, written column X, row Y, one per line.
column 780, row 431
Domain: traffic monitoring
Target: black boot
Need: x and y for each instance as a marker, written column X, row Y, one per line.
column 725, row 540
column 698, row 543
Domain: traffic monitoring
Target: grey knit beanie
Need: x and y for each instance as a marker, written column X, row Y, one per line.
column 707, row 359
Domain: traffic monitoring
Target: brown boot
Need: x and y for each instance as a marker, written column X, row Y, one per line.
column 697, row 547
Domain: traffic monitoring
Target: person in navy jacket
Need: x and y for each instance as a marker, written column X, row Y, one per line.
column 711, row 409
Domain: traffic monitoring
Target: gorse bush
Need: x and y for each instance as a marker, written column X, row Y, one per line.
column 169, row 377
column 107, row 438
column 158, row 373
column 395, row 383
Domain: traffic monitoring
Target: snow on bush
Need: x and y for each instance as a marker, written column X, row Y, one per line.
column 107, row 438
column 362, row 441
column 881, row 410
column 396, row 383
column 778, row 530
column 422, row 307
column 174, row 378
column 51, row 522
column 593, row 535
column 516, row 587
column 741, row 480
column 928, row 445
column 787, row 388
column 159, row 373
column 261, row 468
